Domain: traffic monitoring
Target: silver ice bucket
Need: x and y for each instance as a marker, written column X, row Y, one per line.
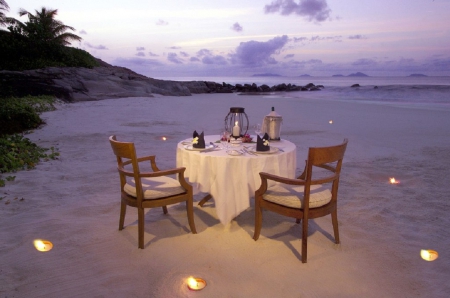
column 272, row 125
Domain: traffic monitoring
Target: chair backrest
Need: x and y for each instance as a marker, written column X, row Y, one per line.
column 125, row 150
column 329, row 158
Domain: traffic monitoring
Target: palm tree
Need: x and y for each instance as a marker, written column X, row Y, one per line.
column 3, row 7
column 43, row 27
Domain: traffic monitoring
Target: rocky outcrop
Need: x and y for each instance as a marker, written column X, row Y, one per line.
column 81, row 84
column 73, row 84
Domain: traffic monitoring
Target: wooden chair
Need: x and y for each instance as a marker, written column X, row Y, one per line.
column 149, row 189
column 306, row 197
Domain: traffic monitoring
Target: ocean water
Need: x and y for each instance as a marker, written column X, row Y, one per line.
column 432, row 92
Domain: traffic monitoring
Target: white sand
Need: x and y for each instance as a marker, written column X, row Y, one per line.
column 74, row 202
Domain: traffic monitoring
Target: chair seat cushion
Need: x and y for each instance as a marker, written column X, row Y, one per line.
column 292, row 195
column 155, row 187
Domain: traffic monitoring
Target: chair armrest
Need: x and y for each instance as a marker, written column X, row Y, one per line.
column 294, row 181
column 163, row 173
column 266, row 176
column 151, row 158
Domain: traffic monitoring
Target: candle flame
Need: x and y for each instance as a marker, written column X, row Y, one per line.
column 164, row 138
column 429, row 254
column 236, row 123
column 42, row 245
column 331, row 121
column 195, row 284
column 393, row 181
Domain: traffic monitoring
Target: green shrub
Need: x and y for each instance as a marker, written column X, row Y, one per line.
column 20, row 114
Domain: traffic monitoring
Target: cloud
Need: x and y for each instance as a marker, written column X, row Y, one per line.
column 184, row 54
column 358, row 36
column 99, row 47
column 161, row 23
column 136, row 62
column 300, row 39
column 194, row 59
column 204, row 52
column 83, row 31
column 236, row 27
column 173, row 57
column 313, row 10
column 152, row 54
column 175, row 48
column 256, row 53
column 336, row 38
column 289, row 56
column 140, row 54
column 218, row 60
column 140, row 49
column 365, row 62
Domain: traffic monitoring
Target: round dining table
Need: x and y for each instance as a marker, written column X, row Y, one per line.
column 231, row 180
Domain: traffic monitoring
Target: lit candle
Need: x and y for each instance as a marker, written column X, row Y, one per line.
column 393, row 181
column 196, row 284
column 331, row 121
column 236, row 130
column 429, row 254
column 164, row 138
column 42, row 245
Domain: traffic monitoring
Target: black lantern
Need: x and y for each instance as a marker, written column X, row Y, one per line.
column 236, row 122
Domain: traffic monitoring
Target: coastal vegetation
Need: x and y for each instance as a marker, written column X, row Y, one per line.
column 41, row 41
column 17, row 117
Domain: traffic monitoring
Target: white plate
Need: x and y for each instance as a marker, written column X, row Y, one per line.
column 234, row 152
column 271, row 151
column 191, row 148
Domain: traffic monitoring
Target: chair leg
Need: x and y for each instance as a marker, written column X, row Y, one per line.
column 190, row 214
column 123, row 209
column 304, row 240
column 258, row 219
column 141, row 227
column 335, row 226
column 205, row 199
column 165, row 209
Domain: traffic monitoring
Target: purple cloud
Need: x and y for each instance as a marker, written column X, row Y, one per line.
column 140, row 54
column 313, row 10
column 358, row 36
column 173, row 57
column 140, row 49
column 136, row 62
column 175, row 48
column 256, row 53
column 194, row 59
column 99, row 47
column 161, row 23
column 289, row 56
column 218, row 60
column 365, row 62
column 152, row 54
column 184, row 54
column 204, row 52
column 83, row 31
column 236, row 27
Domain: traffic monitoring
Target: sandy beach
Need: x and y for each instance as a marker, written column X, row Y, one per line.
column 74, row 202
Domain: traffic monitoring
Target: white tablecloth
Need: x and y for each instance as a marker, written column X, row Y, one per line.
column 233, row 180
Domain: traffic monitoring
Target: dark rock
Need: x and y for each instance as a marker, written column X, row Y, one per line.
column 73, row 84
column 310, row 85
column 376, row 87
column 355, row 85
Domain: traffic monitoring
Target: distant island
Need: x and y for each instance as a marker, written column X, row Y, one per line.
column 304, row 75
column 417, row 75
column 266, row 75
column 358, row 74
